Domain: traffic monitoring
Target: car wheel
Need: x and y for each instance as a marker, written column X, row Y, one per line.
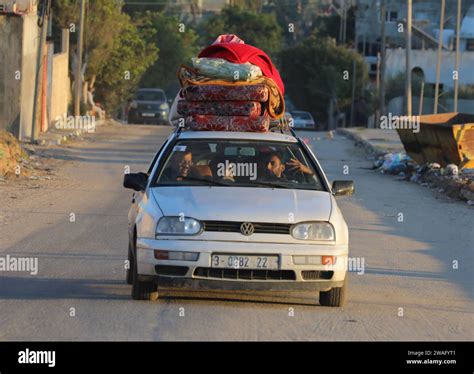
column 131, row 264
column 335, row 297
column 143, row 290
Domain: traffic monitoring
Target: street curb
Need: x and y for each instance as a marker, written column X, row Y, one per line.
column 370, row 148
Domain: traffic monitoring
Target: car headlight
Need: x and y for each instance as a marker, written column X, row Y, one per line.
column 313, row 231
column 164, row 106
column 178, row 226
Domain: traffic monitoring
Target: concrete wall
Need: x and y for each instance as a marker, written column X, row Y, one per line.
column 60, row 87
column 18, row 60
column 426, row 60
column 10, row 63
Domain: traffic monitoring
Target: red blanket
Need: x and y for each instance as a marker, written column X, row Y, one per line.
column 241, row 53
column 258, row 92
column 220, row 108
column 229, row 123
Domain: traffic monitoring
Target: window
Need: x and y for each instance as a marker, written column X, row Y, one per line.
column 235, row 163
column 469, row 44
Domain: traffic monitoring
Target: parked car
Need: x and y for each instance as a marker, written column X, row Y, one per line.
column 150, row 106
column 303, row 120
column 196, row 224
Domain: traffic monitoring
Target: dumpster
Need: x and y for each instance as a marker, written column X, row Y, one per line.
column 446, row 138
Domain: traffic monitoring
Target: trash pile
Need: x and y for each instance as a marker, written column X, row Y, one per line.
column 231, row 86
column 449, row 180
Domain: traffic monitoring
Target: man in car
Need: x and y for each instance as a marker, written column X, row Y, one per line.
column 275, row 168
column 179, row 167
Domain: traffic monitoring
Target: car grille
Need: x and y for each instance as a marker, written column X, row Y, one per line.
column 179, row 271
column 148, row 107
column 313, row 275
column 260, row 228
column 245, row 274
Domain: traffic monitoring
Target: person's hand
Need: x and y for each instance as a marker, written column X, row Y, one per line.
column 297, row 165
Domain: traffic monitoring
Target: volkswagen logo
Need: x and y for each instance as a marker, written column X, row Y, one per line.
column 247, row 229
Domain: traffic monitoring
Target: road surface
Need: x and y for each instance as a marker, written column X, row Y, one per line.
column 75, row 224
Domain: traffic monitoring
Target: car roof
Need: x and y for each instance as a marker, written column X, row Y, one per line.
column 236, row 135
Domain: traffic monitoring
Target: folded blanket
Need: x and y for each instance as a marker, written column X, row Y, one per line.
column 257, row 92
column 228, row 123
column 275, row 103
column 220, row 108
column 222, row 69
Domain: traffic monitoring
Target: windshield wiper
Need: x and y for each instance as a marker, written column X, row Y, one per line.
column 270, row 184
column 210, row 181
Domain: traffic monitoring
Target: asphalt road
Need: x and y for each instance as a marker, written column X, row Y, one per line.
column 75, row 224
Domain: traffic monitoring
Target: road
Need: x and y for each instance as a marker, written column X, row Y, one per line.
column 75, row 224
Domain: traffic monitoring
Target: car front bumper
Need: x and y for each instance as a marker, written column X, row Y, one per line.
column 199, row 275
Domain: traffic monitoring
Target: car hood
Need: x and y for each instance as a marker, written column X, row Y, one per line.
column 244, row 204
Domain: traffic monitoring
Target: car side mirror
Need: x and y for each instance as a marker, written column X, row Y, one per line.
column 340, row 188
column 136, row 182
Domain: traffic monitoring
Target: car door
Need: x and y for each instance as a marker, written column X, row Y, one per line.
column 137, row 196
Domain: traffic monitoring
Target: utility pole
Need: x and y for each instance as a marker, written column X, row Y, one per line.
column 438, row 64
column 458, row 52
column 341, row 25
column 408, row 59
column 354, row 78
column 382, row 63
column 80, row 42
column 43, row 23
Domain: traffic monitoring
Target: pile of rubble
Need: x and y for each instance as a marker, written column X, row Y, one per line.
column 449, row 180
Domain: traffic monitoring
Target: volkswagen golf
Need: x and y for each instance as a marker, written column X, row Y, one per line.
column 237, row 212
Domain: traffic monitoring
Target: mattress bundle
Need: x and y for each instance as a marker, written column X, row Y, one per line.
column 218, row 95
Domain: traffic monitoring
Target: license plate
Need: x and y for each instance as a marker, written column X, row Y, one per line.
column 148, row 114
column 245, row 262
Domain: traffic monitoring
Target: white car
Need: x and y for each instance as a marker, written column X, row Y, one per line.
column 237, row 212
column 303, row 120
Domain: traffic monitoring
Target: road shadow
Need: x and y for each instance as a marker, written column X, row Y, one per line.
column 31, row 288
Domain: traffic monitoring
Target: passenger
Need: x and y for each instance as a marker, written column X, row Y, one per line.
column 180, row 165
column 275, row 168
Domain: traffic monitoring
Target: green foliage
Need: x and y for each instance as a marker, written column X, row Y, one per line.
column 175, row 47
column 260, row 30
column 113, row 45
column 314, row 71
column 123, row 70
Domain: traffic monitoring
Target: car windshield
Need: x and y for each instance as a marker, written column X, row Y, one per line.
column 238, row 163
column 150, row 96
column 301, row 115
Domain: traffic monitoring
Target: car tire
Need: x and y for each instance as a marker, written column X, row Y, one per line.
column 131, row 265
column 143, row 290
column 335, row 297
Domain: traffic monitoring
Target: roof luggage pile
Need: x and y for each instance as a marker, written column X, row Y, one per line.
column 231, row 86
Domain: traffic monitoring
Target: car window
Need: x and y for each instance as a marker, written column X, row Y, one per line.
column 150, row 96
column 238, row 163
column 302, row 115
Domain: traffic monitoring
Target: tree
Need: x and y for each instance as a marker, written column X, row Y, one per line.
column 176, row 46
column 113, row 46
column 130, row 59
column 317, row 70
column 260, row 30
